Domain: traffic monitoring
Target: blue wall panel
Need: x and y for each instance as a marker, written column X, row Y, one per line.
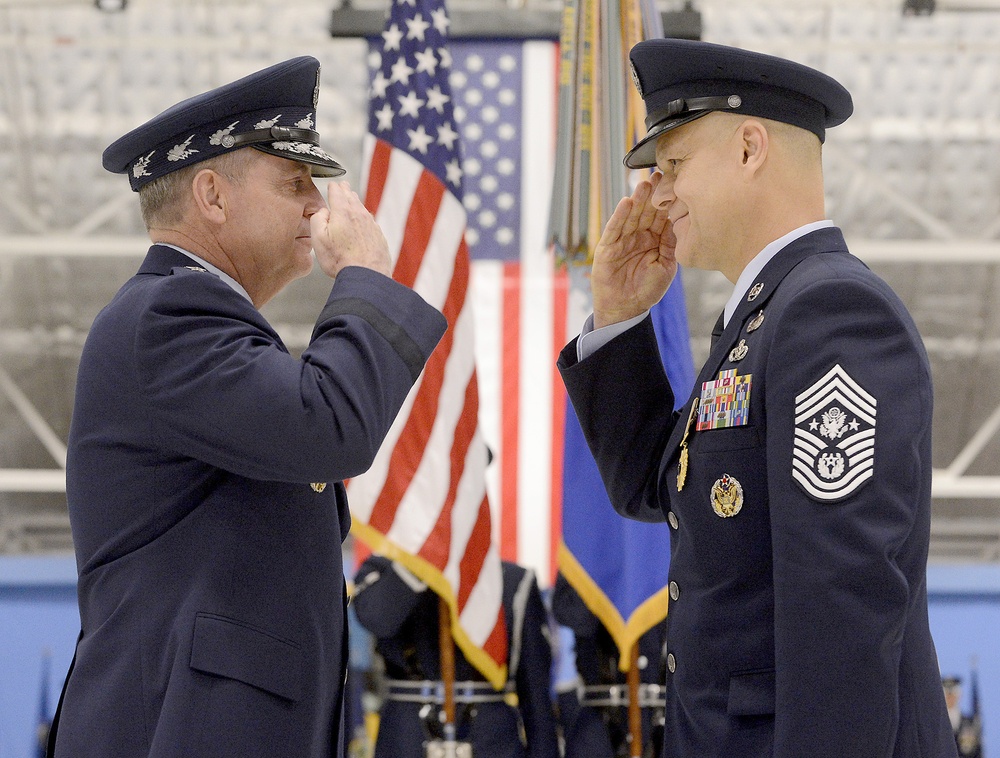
column 38, row 613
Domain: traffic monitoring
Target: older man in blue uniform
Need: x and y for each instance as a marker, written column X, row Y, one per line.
column 401, row 612
column 796, row 479
column 205, row 462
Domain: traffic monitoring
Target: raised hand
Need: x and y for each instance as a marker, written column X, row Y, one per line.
column 345, row 234
column 634, row 260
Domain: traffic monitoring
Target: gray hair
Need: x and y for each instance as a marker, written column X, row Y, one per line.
column 161, row 202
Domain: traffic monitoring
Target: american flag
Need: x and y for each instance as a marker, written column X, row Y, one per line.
column 424, row 501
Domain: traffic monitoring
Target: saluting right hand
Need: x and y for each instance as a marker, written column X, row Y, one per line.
column 634, row 261
column 345, row 234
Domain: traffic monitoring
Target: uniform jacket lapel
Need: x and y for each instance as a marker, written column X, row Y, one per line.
column 821, row 241
column 160, row 259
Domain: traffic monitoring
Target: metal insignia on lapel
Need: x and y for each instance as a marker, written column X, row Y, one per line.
column 739, row 352
column 727, row 496
column 318, row 486
column 754, row 291
column 755, row 323
column 834, row 444
column 196, row 268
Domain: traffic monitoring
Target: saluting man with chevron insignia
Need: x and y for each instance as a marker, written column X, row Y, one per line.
column 834, row 447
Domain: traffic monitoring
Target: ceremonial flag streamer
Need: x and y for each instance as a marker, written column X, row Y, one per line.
column 619, row 567
column 600, row 112
column 423, row 502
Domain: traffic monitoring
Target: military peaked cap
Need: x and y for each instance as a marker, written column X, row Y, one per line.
column 273, row 110
column 681, row 80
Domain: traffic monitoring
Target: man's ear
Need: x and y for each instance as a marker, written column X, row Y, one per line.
column 754, row 141
column 210, row 195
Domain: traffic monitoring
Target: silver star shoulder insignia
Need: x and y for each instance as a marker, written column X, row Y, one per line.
column 833, row 450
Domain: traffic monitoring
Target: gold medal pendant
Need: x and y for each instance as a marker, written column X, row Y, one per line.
column 682, row 466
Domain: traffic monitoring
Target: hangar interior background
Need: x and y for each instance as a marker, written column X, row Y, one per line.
column 913, row 179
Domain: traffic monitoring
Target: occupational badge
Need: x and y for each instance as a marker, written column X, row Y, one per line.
column 834, row 445
column 318, row 486
column 739, row 352
column 727, row 496
column 754, row 291
column 724, row 402
column 755, row 322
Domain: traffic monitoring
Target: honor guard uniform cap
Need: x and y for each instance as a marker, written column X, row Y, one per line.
column 272, row 110
column 681, row 80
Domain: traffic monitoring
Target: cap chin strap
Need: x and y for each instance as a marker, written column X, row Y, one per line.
column 273, row 134
column 683, row 107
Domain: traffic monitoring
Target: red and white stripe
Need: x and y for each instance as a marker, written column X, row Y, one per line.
column 521, row 324
column 426, row 492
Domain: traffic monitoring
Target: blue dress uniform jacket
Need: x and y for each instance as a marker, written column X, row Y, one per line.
column 799, row 626
column 211, row 587
column 405, row 625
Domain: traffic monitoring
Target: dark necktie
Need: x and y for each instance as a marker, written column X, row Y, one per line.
column 718, row 329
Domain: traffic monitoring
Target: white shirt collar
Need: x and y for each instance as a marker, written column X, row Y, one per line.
column 757, row 263
column 214, row 269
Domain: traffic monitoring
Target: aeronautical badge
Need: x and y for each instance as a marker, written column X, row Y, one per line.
column 727, row 496
column 834, row 447
column 754, row 325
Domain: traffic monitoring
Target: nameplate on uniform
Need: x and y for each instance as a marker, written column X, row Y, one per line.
column 724, row 402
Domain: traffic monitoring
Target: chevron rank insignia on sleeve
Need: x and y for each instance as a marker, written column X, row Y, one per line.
column 834, row 446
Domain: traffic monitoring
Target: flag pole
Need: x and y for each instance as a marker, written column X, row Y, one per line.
column 634, row 707
column 447, row 668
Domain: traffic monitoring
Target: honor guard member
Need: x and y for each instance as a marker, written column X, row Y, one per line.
column 205, row 462
column 402, row 614
column 600, row 728
column 796, row 479
column 967, row 729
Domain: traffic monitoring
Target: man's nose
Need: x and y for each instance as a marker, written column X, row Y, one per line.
column 663, row 195
column 314, row 203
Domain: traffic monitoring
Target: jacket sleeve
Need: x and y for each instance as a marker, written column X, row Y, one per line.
column 848, row 564
column 625, row 405
column 220, row 386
